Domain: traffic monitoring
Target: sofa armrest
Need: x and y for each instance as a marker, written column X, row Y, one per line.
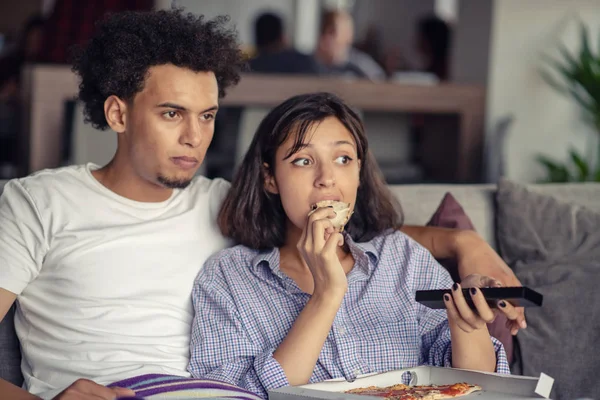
column 10, row 391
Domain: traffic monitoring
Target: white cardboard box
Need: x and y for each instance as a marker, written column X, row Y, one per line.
column 495, row 386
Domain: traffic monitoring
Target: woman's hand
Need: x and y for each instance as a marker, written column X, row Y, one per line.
column 471, row 344
column 459, row 312
column 318, row 247
column 475, row 256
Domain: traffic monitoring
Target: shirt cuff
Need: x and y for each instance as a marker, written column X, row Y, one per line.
column 502, row 366
column 269, row 371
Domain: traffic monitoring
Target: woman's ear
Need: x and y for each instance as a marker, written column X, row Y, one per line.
column 269, row 179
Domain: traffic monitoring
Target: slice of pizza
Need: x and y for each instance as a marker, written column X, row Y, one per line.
column 341, row 209
column 418, row 392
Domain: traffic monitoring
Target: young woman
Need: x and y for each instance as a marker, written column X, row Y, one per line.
column 297, row 300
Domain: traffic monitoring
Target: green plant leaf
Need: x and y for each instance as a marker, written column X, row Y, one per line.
column 596, row 176
column 585, row 44
column 549, row 79
column 556, row 171
column 582, row 166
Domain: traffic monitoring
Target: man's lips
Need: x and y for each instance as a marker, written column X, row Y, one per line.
column 185, row 162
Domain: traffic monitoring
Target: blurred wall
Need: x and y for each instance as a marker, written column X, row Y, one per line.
column 242, row 12
column 471, row 42
column 545, row 121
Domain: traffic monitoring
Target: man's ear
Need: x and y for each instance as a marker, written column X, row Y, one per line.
column 269, row 180
column 115, row 112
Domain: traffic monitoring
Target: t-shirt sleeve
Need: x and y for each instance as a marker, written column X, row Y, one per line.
column 22, row 239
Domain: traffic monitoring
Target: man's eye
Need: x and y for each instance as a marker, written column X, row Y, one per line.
column 301, row 162
column 170, row 114
column 208, row 117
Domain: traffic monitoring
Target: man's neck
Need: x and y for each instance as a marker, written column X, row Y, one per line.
column 122, row 180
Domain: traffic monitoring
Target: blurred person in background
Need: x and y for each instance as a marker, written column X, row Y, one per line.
column 335, row 53
column 433, row 41
column 433, row 45
column 274, row 52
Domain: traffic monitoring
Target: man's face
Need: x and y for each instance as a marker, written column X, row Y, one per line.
column 170, row 125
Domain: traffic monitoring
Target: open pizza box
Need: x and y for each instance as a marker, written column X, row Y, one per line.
column 495, row 386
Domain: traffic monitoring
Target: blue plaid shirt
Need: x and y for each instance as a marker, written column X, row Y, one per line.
column 245, row 306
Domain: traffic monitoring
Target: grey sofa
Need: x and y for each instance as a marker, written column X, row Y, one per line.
column 419, row 202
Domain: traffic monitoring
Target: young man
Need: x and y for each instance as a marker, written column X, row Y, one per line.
column 102, row 259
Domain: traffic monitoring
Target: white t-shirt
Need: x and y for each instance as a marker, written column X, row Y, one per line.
column 103, row 282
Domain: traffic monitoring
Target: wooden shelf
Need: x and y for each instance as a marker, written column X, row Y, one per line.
column 47, row 87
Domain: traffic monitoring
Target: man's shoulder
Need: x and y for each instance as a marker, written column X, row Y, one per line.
column 46, row 181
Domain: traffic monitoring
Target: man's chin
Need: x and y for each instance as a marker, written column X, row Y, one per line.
column 174, row 183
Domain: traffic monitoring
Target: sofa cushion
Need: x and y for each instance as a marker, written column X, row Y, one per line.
column 554, row 248
column 419, row 203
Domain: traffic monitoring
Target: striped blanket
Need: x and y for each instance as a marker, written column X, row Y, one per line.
column 156, row 386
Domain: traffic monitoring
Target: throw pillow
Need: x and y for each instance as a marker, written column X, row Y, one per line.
column 450, row 214
column 554, row 248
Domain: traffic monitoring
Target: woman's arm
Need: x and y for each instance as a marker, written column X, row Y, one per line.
column 299, row 352
column 472, row 346
column 451, row 339
column 228, row 348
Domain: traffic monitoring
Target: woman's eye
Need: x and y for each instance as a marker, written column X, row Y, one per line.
column 301, row 162
column 343, row 160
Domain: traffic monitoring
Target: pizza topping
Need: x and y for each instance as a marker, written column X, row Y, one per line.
column 422, row 392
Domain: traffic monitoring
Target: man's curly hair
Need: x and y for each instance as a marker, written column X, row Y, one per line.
column 116, row 60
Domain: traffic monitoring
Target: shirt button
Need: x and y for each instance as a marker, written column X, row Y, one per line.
column 357, row 372
column 342, row 331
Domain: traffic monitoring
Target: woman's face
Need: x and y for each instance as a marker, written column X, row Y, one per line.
column 326, row 169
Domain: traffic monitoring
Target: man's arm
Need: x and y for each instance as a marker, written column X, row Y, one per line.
column 10, row 391
column 471, row 251
column 441, row 242
column 6, row 301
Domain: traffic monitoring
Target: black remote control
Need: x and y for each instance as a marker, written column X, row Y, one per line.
column 519, row 296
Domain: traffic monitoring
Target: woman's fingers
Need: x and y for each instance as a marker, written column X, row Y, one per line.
column 454, row 316
column 314, row 233
column 468, row 315
column 481, row 305
column 335, row 240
